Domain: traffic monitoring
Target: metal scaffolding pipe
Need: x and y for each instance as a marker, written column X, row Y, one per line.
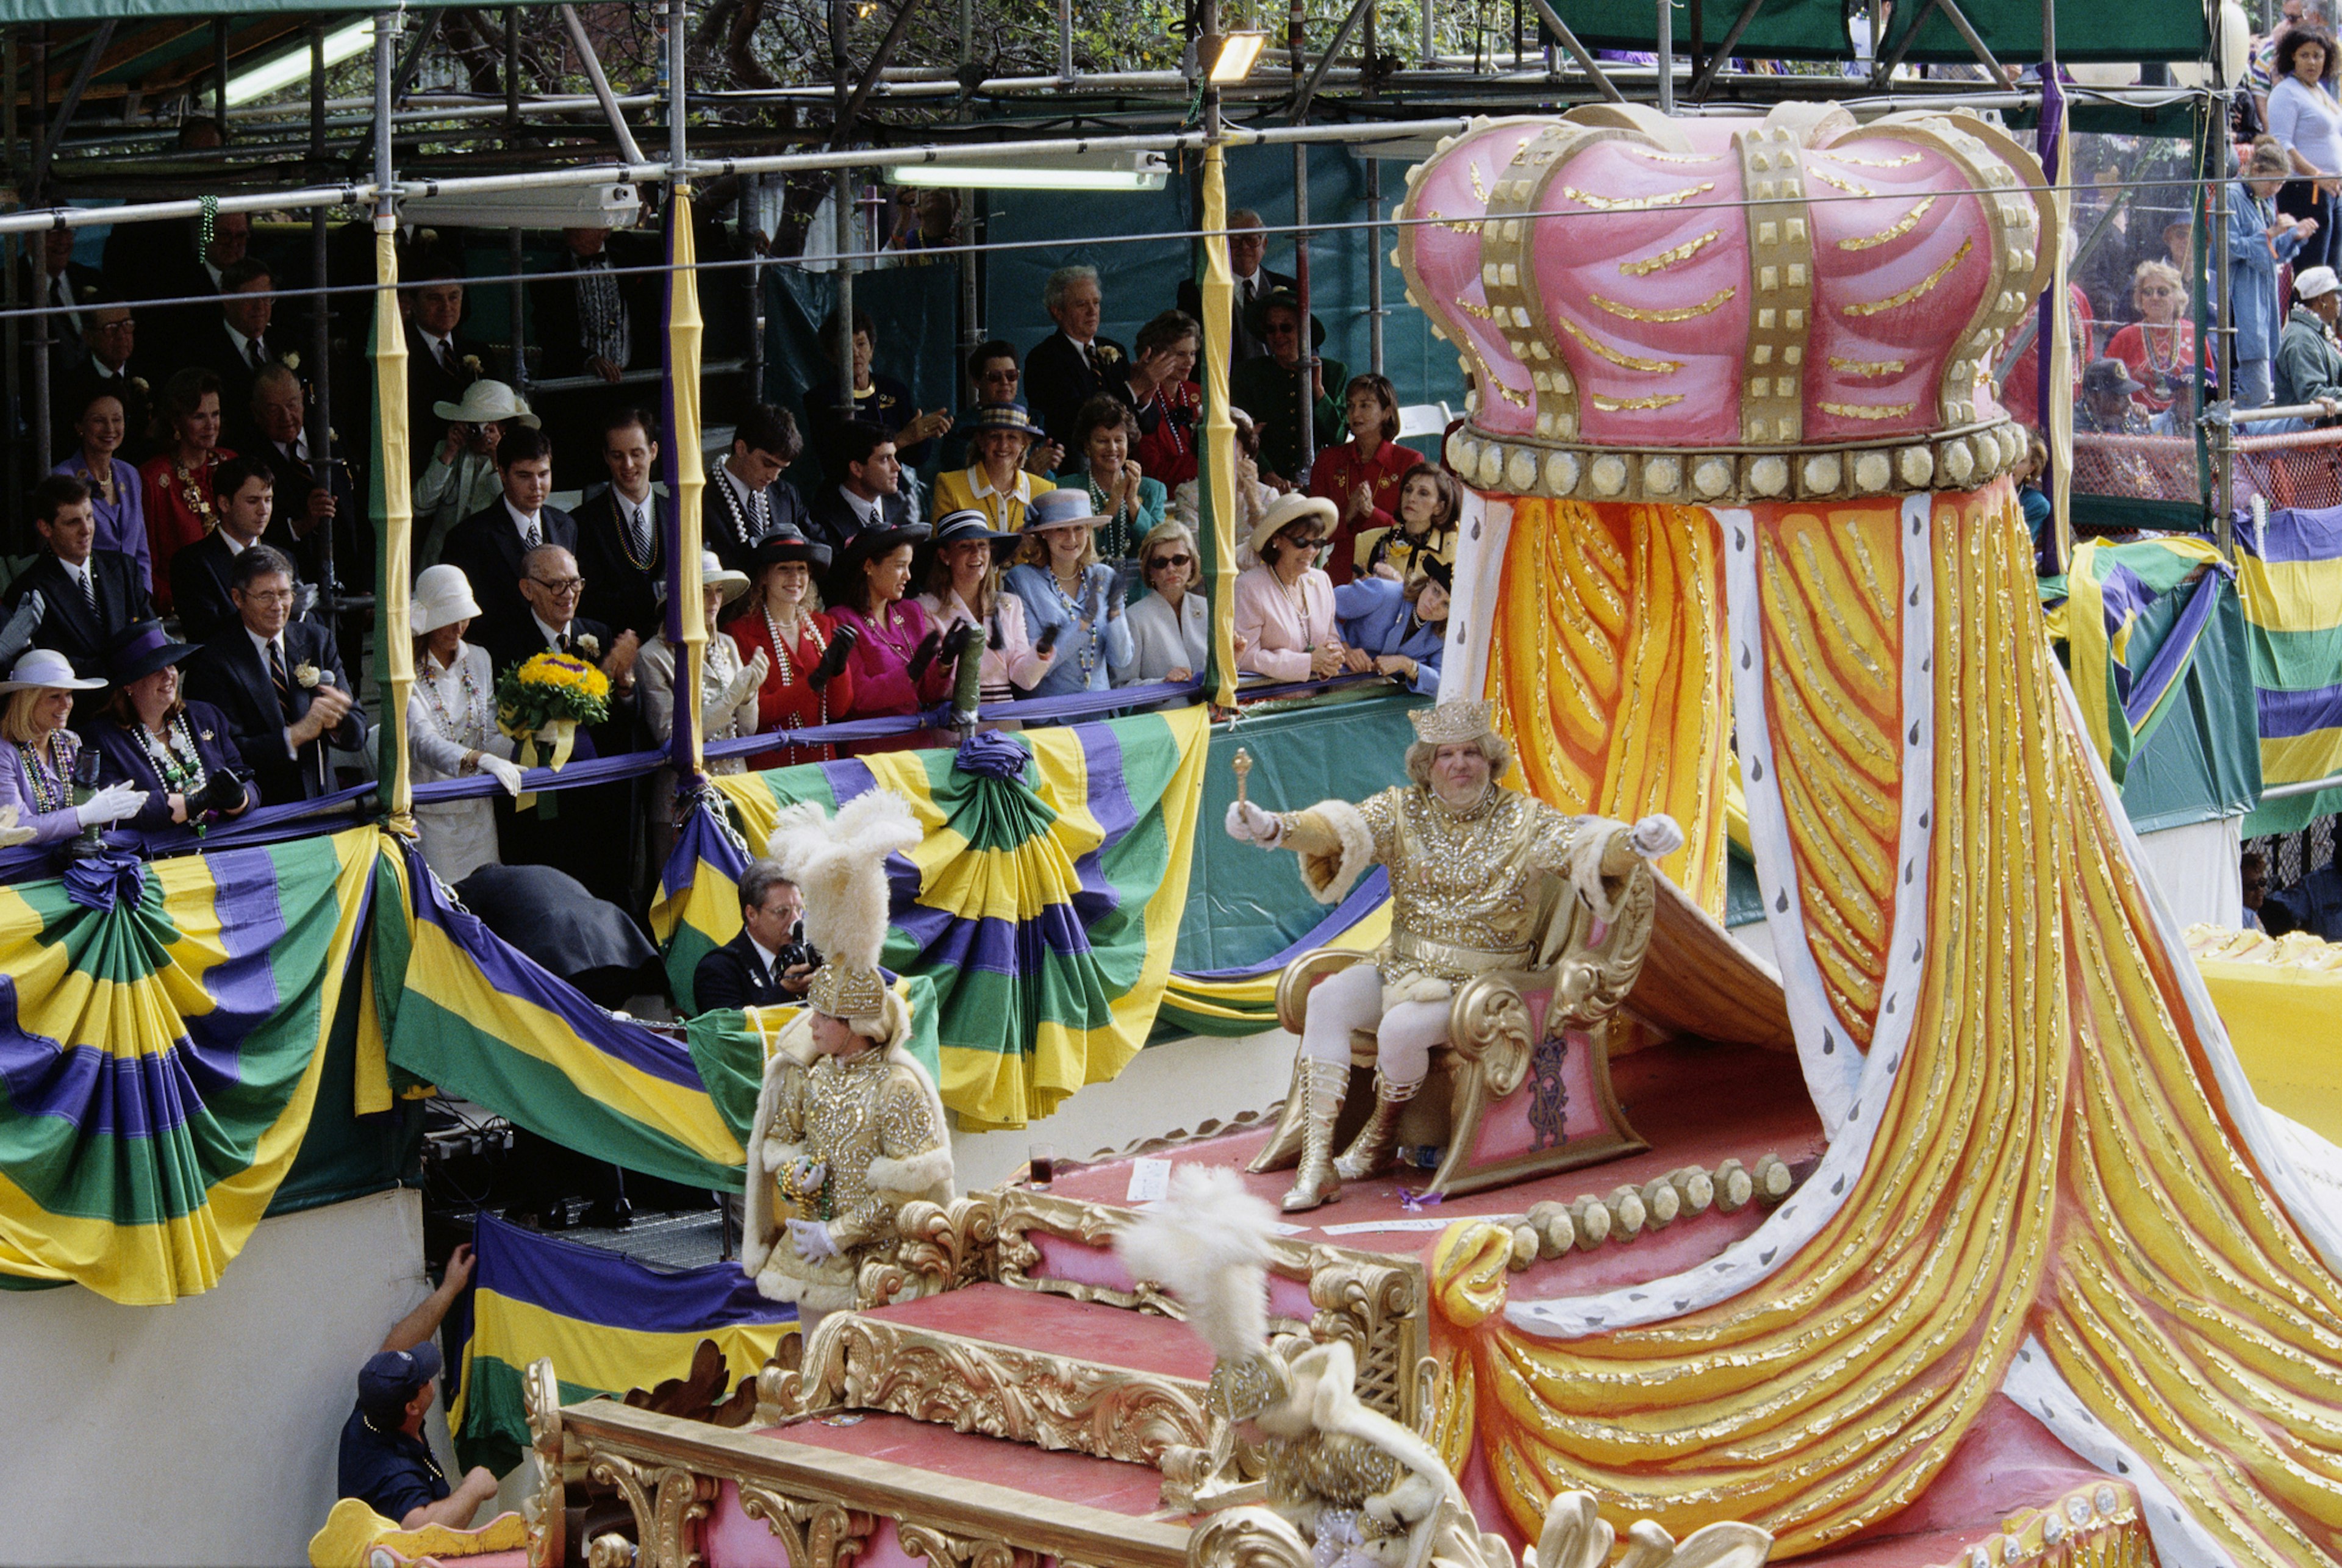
column 592, row 64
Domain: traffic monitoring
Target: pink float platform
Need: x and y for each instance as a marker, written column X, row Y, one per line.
column 1066, row 1303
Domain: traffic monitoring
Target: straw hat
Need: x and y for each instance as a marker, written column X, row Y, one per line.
column 443, row 596
column 1012, row 415
column 485, row 402
column 1286, row 511
column 712, row 573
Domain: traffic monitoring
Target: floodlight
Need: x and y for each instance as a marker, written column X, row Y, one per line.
column 1239, row 52
column 608, row 205
column 1073, row 171
column 343, row 44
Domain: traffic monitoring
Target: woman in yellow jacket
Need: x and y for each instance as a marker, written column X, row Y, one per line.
column 996, row 483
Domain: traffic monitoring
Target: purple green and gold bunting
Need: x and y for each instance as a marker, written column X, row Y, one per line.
column 159, row 1059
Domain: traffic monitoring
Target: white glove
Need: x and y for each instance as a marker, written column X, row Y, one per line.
column 1655, row 837
column 113, row 804
column 811, row 1239
column 11, row 835
column 503, row 771
column 751, row 677
column 1248, row 824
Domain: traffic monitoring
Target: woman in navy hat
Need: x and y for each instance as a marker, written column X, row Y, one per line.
column 152, row 739
column 964, row 590
column 1074, row 599
column 899, row 663
column 808, row 667
column 995, row 483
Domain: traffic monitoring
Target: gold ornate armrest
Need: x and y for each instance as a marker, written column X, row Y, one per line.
column 546, row 1512
column 1591, row 981
column 1292, row 986
column 1488, row 1024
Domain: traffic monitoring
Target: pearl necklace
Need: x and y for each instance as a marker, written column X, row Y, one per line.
column 1086, row 659
column 469, row 726
column 810, row 628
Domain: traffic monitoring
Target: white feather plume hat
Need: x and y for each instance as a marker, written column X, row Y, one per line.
column 840, row 864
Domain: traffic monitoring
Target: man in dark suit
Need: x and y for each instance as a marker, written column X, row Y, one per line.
column 591, row 320
column 312, row 500
column 622, row 529
column 280, row 682
column 1073, row 363
column 143, row 262
column 489, row 544
column 52, row 277
column 1247, row 243
column 872, row 495
column 588, row 832
column 746, row 972
column 747, row 501
column 235, row 345
column 439, row 364
column 244, row 492
column 90, row 595
column 107, row 360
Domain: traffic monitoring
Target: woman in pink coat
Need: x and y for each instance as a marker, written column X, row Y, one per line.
column 1284, row 605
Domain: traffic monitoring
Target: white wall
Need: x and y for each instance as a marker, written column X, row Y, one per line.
column 205, row 1432
column 1176, row 1086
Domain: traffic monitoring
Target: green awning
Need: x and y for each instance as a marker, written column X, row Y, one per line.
column 1815, row 29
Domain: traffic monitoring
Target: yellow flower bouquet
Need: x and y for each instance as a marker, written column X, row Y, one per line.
column 544, row 698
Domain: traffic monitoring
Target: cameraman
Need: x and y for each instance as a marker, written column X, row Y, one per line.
column 768, row 962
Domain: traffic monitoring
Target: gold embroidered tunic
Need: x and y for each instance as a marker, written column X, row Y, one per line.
column 1471, row 890
column 870, row 1119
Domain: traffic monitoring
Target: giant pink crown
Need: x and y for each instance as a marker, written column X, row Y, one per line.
column 1724, row 310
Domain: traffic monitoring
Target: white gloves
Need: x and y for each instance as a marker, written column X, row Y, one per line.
column 113, row 804
column 1655, row 837
column 11, row 835
column 811, row 1239
column 503, row 771
column 1248, row 824
column 750, row 678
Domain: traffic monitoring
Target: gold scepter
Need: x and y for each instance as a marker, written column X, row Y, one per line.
column 1242, row 762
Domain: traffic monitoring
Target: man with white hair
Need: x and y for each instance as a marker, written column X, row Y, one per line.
column 1073, row 363
column 1473, row 865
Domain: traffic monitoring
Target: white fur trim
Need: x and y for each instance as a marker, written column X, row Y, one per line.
column 1358, row 841
column 913, row 1175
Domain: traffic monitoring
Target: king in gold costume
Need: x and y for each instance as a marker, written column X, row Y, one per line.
column 1476, row 871
column 848, row 1126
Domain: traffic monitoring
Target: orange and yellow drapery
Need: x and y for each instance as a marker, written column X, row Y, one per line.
column 1607, row 668
column 2054, row 1162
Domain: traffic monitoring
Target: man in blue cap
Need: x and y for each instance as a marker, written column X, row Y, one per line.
column 385, row 1462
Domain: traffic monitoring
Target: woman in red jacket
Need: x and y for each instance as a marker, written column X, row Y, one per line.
column 1362, row 475
column 810, row 676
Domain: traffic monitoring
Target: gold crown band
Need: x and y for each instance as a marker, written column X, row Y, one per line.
column 843, row 992
column 1453, row 721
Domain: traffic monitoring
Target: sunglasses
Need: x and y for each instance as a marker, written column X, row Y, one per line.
column 1160, row 562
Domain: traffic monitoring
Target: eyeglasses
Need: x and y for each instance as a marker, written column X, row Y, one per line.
column 1008, row 374
column 1160, row 562
column 269, row 595
column 1280, row 328
column 2159, row 293
column 561, row 587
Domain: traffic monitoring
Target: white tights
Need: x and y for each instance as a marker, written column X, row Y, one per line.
column 1352, row 999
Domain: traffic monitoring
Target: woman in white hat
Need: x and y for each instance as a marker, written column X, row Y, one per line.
column 37, row 752
column 451, row 725
column 1285, row 607
column 461, row 478
column 728, row 692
